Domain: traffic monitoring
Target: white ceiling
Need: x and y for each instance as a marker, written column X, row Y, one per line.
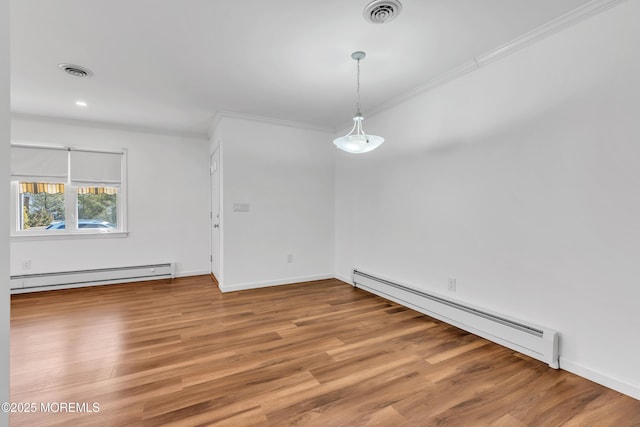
column 172, row 65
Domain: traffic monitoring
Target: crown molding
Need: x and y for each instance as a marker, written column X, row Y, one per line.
column 454, row 73
column 109, row 125
column 557, row 25
column 569, row 19
column 269, row 120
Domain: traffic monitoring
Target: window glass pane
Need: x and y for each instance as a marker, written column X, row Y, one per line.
column 98, row 207
column 42, row 206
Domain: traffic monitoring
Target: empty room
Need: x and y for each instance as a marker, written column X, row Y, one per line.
column 320, row 213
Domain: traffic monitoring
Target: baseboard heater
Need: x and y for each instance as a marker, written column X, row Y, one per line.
column 532, row 340
column 98, row 276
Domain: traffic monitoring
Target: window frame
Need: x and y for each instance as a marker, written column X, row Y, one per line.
column 71, row 231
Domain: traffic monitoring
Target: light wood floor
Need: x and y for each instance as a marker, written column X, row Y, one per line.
column 322, row 353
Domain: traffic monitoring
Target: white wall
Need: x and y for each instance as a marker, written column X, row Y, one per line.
column 521, row 180
column 167, row 201
column 4, row 212
column 286, row 175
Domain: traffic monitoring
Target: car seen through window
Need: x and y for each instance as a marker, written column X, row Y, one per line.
column 83, row 223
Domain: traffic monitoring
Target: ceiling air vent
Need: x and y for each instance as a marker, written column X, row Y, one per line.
column 382, row 11
column 75, row 70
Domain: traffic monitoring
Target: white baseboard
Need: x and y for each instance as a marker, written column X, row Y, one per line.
column 192, row 273
column 347, row 280
column 279, row 282
column 617, row 384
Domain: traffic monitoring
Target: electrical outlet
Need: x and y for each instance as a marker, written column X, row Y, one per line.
column 289, row 258
column 451, row 284
column 26, row 264
column 241, row 207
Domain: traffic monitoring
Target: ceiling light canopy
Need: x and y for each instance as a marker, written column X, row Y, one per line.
column 357, row 141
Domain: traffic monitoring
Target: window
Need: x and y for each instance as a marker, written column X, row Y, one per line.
column 66, row 191
column 97, row 207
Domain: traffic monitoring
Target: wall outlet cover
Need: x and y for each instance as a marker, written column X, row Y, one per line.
column 241, row 207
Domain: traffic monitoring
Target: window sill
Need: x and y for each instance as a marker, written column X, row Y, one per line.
column 68, row 236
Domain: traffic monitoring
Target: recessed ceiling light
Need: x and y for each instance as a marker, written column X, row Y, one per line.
column 75, row 70
column 81, row 104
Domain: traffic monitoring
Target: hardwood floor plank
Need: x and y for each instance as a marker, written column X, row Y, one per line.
column 181, row 353
column 507, row 421
column 387, row 416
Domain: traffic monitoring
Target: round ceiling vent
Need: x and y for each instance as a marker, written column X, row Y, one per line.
column 382, row 11
column 75, row 70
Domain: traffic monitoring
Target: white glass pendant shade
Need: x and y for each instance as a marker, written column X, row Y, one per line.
column 357, row 141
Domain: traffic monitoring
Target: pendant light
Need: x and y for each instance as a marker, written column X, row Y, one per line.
column 357, row 141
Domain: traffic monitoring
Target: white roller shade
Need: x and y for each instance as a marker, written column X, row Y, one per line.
column 95, row 168
column 39, row 164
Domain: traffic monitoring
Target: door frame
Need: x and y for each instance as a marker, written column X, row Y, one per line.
column 215, row 167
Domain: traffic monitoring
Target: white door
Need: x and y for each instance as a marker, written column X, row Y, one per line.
column 214, row 170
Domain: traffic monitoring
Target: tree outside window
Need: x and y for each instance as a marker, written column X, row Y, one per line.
column 42, row 204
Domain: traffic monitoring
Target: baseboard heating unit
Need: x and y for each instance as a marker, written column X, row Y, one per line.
column 98, row 276
column 532, row 340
